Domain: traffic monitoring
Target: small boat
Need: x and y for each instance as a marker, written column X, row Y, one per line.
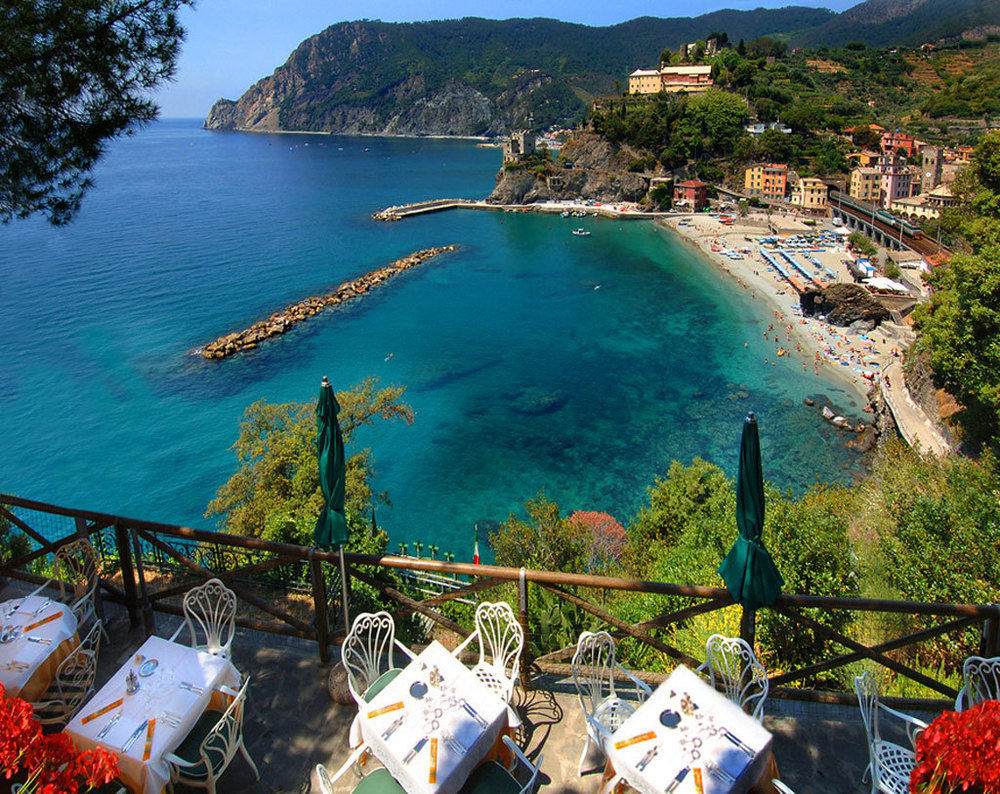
column 581, row 232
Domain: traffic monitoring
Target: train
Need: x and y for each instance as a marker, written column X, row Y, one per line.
column 840, row 199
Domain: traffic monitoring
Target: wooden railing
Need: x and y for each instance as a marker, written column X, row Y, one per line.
column 148, row 565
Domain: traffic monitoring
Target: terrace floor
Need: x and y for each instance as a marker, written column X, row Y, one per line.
column 292, row 723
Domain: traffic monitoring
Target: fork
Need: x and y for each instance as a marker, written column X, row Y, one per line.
column 109, row 726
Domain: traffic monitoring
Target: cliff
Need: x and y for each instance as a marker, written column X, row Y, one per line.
column 599, row 172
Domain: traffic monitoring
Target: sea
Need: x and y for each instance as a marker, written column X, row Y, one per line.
column 535, row 360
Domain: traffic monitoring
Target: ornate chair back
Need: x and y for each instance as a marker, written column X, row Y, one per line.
column 500, row 637
column 368, row 651
column 731, row 663
column 210, row 611
column 74, row 681
column 867, row 691
column 76, row 572
column 226, row 737
column 593, row 669
column 982, row 680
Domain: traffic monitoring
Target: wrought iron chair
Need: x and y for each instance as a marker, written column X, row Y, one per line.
column 730, row 663
column 981, row 682
column 73, row 682
column 75, row 569
column 594, row 668
column 501, row 638
column 495, row 778
column 207, row 750
column 780, row 787
column 368, row 654
column 889, row 764
column 378, row 781
column 210, row 610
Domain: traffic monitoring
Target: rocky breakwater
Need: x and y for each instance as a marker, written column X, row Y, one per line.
column 846, row 305
column 280, row 322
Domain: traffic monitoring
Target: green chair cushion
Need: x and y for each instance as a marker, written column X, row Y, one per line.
column 190, row 748
column 380, row 683
column 490, row 778
column 379, row 782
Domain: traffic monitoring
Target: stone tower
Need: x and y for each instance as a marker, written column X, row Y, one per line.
column 930, row 172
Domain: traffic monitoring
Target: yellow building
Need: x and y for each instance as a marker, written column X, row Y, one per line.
column 866, row 184
column 644, row 81
column 810, row 193
column 768, row 180
column 672, row 79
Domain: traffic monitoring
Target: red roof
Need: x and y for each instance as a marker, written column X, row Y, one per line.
column 693, row 183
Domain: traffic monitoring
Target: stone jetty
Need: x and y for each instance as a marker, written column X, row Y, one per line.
column 279, row 322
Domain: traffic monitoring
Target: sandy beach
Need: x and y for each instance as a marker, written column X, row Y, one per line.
column 856, row 359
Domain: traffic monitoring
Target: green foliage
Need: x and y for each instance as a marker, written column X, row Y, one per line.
column 892, row 270
column 663, row 196
column 73, row 76
column 547, row 540
column 275, row 493
column 13, row 544
column 862, row 245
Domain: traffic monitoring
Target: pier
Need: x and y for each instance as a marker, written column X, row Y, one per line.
column 402, row 211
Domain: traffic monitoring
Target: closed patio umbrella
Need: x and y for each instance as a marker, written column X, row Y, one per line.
column 748, row 570
column 331, row 526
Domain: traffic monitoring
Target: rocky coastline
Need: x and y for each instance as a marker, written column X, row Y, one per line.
column 281, row 321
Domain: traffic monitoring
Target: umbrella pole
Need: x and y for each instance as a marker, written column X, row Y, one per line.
column 343, row 590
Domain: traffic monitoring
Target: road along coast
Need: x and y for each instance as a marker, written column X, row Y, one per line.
column 287, row 318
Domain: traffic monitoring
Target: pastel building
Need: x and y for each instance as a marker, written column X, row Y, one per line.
column 693, row 193
column 897, row 179
column 672, row 79
column 810, row 193
column 767, row 180
column 896, row 140
column 866, row 184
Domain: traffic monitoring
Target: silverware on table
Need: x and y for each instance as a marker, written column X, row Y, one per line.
column 131, row 739
column 415, row 749
column 40, row 640
column 43, row 607
column 474, row 714
column 111, row 724
column 677, row 780
column 716, row 770
column 191, row 687
column 649, row 756
column 392, row 728
column 734, row 739
column 452, row 741
column 171, row 719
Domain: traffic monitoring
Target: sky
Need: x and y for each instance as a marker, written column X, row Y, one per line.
column 231, row 44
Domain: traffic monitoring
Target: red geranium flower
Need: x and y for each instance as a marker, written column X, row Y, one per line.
column 960, row 751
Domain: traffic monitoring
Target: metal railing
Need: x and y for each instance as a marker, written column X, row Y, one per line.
column 146, row 565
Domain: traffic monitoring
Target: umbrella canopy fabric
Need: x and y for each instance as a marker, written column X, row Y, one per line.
column 748, row 570
column 331, row 526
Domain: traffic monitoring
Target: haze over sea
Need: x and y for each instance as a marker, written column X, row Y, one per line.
column 522, row 372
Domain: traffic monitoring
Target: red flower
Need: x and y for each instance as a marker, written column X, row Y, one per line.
column 960, row 751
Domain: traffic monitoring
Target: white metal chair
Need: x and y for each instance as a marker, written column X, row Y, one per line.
column 368, row 654
column 378, row 781
column 73, row 682
column 75, row 571
column 594, row 668
column 889, row 764
column 981, row 678
column 210, row 610
column 205, row 754
column 780, row 787
column 730, row 663
column 495, row 778
column 501, row 639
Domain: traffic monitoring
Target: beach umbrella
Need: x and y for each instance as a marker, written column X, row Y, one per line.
column 748, row 570
column 331, row 526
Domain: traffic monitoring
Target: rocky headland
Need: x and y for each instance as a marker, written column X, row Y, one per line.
column 588, row 168
column 844, row 305
column 280, row 322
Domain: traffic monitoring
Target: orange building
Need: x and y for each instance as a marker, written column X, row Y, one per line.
column 769, row 180
column 895, row 140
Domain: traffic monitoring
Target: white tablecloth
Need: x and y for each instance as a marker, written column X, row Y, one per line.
column 457, row 684
column 158, row 693
column 33, row 654
column 714, row 731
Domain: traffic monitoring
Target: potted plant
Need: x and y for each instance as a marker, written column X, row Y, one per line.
column 960, row 752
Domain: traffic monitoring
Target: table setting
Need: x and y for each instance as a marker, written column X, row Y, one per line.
column 148, row 706
column 433, row 723
column 36, row 634
column 687, row 737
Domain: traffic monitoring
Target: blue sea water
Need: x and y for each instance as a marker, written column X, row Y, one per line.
column 534, row 359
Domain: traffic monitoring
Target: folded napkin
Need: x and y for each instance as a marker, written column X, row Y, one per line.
column 42, row 622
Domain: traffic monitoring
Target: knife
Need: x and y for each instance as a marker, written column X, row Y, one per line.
column 474, row 714
column 678, row 780
column 131, row 739
column 748, row 751
column 109, row 726
column 416, row 749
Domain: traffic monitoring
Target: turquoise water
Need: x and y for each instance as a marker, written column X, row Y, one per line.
column 533, row 358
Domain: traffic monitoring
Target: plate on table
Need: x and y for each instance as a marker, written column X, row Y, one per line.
column 147, row 667
column 418, row 689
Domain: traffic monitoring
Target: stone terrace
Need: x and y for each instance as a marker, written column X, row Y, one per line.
column 292, row 723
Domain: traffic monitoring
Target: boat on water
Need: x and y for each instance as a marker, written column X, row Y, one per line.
column 581, row 232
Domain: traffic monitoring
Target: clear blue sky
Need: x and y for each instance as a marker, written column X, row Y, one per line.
column 233, row 43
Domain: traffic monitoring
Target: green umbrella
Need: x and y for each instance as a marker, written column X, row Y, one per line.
column 331, row 526
column 748, row 570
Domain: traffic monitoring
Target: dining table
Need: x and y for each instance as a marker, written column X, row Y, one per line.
column 149, row 706
column 36, row 635
column 689, row 738
column 433, row 723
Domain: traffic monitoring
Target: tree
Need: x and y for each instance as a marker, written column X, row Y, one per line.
column 547, row 540
column 861, row 244
column 73, row 76
column 275, row 493
column 741, row 48
column 867, row 138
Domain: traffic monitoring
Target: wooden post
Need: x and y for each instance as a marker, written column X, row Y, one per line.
column 147, row 609
column 989, row 644
column 748, row 626
column 128, row 574
column 319, row 608
column 522, row 616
